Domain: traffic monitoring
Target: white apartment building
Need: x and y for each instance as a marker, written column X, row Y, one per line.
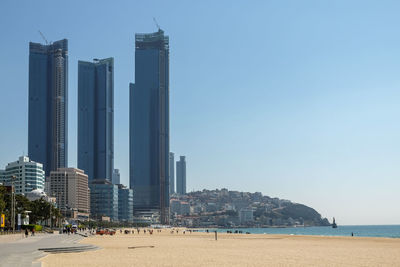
column 29, row 175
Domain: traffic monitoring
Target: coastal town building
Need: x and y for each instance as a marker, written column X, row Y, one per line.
column 185, row 208
column 246, row 215
column 175, row 206
column 178, row 207
column 224, row 208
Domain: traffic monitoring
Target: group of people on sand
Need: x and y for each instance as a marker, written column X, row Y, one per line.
column 150, row 231
column 177, row 231
column 126, row 231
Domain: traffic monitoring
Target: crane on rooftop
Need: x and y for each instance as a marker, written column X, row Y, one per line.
column 44, row 38
column 155, row 21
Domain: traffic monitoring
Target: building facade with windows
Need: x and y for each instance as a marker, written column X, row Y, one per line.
column 96, row 118
column 125, row 204
column 103, row 199
column 2, row 176
column 149, row 126
column 246, row 215
column 70, row 188
column 29, row 175
column 48, row 104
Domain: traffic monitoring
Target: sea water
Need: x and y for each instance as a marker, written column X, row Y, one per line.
column 345, row 230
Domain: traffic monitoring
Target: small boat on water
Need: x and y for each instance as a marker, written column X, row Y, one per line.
column 334, row 225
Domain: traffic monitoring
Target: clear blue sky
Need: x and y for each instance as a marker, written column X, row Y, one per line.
column 296, row 99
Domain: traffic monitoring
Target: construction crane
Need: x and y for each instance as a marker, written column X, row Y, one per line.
column 44, row 38
column 155, row 21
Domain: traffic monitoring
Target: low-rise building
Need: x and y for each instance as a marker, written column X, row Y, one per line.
column 70, row 187
column 246, row 215
column 103, row 199
column 175, row 206
column 125, row 204
column 185, row 208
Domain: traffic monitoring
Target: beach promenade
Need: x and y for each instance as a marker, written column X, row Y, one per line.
column 18, row 251
column 201, row 249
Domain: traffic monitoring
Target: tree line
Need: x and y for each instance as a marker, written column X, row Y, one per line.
column 40, row 209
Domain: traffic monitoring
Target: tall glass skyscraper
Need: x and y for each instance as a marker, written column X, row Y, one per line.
column 181, row 175
column 96, row 118
column 149, row 125
column 171, row 173
column 48, row 104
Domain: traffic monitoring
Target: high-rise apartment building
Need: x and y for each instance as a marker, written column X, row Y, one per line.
column 48, row 104
column 96, row 118
column 29, row 175
column 70, row 187
column 181, row 175
column 171, row 173
column 149, row 125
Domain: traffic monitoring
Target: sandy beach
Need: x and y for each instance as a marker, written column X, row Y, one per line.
column 201, row 249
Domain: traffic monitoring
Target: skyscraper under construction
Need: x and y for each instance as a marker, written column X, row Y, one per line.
column 149, row 125
column 48, row 104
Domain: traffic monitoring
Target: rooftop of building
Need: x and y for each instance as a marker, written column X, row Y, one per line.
column 155, row 40
column 97, row 61
column 24, row 159
column 68, row 170
column 101, row 181
column 49, row 47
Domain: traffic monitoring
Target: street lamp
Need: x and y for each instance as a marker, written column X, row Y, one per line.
column 13, row 178
column 50, row 199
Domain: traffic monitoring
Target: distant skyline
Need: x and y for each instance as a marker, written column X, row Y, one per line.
column 297, row 99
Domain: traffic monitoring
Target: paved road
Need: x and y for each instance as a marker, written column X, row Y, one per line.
column 25, row 251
